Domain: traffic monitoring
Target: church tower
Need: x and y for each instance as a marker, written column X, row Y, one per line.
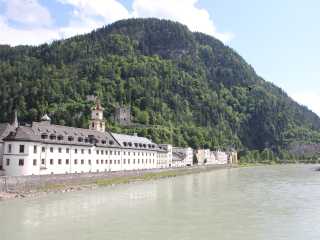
column 97, row 122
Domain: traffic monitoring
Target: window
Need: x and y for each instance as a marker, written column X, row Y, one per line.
column 106, row 161
column 59, row 150
column 34, row 162
column 102, row 152
column 21, row 162
column 82, row 151
column 97, row 152
column 59, row 161
column 89, row 151
column 110, row 152
column 21, row 149
column 118, row 161
column 75, row 151
column 106, row 152
column 89, row 161
column 51, row 161
column 9, row 148
column 8, row 162
column 51, row 149
column 128, row 161
column 101, row 161
column 124, row 161
column 43, row 149
column 82, row 161
column 67, row 161
column 76, row 161
column 42, row 161
column 35, row 149
column 44, row 136
column 97, row 161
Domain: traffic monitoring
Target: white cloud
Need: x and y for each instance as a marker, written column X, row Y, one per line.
column 186, row 12
column 91, row 14
column 310, row 99
column 28, row 12
column 32, row 36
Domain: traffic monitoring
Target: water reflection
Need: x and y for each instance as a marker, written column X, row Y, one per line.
column 280, row 202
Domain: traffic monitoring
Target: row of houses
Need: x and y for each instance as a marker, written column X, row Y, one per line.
column 44, row 148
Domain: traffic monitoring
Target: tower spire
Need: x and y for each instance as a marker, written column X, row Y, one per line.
column 97, row 122
column 14, row 121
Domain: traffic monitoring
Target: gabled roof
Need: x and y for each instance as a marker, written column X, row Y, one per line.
column 129, row 141
column 5, row 129
column 56, row 134
column 178, row 156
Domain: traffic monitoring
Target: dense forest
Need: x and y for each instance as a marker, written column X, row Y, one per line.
column 185, row 88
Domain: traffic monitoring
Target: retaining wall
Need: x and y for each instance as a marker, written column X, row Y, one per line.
column 28, row 183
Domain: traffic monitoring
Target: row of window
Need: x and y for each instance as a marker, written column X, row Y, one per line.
column 138, row 145
column 21, row 148
column 67, row 161
column 102, row 152
column 71, row 139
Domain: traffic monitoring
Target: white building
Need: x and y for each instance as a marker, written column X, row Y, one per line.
column 44, row 148
column 221, row 157
column 165, row 157
column 182, row 156
column 207, row 157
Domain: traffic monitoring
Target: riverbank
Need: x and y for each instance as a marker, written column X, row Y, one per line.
column 107, row 180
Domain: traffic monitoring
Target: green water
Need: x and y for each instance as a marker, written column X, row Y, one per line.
column 267, row 203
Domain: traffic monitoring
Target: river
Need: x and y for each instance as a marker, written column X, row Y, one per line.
column 258, row 203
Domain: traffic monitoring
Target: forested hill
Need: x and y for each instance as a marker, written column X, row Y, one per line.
column 187, row 88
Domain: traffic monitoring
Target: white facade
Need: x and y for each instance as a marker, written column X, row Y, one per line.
column 165, row 156
column 188, row 155
column 221, row 157
column 207, row 157
column 43, row 159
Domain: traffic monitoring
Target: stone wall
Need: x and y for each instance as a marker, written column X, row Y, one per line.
column 28, row 183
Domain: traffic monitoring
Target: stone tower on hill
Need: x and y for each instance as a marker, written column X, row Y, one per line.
column 123, row 115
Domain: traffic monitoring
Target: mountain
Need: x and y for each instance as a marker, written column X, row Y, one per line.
column 186, row 88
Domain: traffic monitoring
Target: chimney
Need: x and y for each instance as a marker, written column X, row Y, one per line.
column 14, row 121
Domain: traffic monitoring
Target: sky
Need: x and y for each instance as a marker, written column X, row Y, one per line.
column 279, row 38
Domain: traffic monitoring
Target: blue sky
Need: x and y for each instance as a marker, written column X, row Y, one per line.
column 279, row 38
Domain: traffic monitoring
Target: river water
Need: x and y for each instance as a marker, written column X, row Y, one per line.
column 260, row 203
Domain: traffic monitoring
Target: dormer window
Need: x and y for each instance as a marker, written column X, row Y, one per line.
column 53, row 137
column 103, row 142
column 124, row 144
column 44, row 136
column 136, row 144
column 144, row 146
column 70, row 138
column 111, row 142
column 130, row 144
column 60, row 137
column 80, row 139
